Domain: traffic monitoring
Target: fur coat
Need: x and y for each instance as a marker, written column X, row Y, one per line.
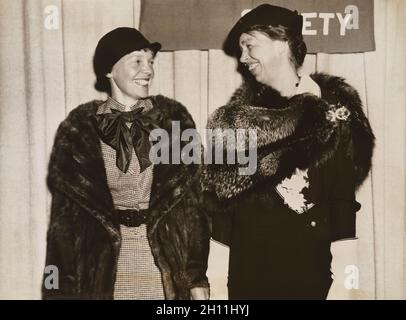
column 300, row 132
column 84, row 238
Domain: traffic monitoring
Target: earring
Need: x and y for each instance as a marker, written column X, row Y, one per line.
column 298, row 81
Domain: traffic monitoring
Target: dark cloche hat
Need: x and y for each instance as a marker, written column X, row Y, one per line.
column 264, row 14
column 116, row 44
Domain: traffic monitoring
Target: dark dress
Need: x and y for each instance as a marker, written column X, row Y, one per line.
column 276, row 253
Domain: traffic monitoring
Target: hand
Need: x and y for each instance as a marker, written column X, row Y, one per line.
column 200, row 293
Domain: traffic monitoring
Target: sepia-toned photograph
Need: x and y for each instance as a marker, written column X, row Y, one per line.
column 203, row 150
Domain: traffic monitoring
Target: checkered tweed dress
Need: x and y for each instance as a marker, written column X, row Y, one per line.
column 137, row 275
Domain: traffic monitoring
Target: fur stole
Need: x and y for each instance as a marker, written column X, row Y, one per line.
column 300, row 132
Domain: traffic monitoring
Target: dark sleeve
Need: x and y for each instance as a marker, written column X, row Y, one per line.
column 60, row 252
column 199, row 241
column 343, row 205
column 220, row 221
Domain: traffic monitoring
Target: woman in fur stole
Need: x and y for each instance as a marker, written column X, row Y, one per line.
column 121, row 226
column 314, row 149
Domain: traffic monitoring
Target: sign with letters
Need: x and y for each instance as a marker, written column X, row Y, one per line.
column 330, row 26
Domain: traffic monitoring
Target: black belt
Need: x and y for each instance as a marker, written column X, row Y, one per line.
column 132, row 218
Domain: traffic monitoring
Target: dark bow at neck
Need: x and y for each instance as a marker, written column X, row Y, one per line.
column 114, row 131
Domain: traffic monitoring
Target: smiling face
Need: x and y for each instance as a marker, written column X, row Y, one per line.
column 130, row 76
column 263, row 56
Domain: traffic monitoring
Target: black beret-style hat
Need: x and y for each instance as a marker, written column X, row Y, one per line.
column 116, row 44
column 264, row 14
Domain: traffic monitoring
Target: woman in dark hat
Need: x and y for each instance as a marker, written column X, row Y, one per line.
column 122, row 227
column 314, row 148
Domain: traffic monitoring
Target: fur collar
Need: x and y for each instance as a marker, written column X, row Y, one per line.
column 300, row 132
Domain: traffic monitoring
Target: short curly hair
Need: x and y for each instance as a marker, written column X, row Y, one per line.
column 296, row 44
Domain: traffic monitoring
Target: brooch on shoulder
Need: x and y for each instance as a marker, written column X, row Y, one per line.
column 338, row 112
